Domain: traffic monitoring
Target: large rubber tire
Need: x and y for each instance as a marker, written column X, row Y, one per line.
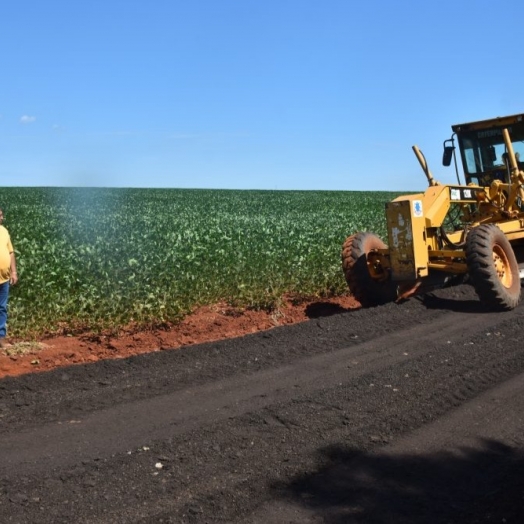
column 493, row 267
column 367, row 290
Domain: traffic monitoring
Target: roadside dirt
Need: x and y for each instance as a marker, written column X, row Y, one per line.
column 206, row 324
column 406, row 413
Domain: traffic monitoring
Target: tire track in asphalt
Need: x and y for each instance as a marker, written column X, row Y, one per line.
column 292, row 445
column 126, row 426
column 92, row 387
column 489, row 426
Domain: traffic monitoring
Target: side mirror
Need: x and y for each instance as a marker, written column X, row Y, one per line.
column 447, row 156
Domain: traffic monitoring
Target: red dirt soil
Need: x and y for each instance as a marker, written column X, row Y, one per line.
column 206, row 324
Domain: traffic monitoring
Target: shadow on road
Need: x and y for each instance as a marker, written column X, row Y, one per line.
column 325, row 309
column 432, row 301
column 460, row 298
column 473, row 486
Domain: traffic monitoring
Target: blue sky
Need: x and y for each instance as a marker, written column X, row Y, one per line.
column 245, row 94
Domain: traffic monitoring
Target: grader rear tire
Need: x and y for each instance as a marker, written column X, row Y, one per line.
column 493, row 267
column 367, row 290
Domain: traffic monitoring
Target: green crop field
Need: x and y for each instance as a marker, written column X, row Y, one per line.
column 98, row 258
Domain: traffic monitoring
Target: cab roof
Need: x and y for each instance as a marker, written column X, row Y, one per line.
column 500, row 121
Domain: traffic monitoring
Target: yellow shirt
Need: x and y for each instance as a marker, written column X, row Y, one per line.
column 6, row 248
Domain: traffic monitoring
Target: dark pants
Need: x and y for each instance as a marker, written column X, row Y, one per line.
column 4, row 294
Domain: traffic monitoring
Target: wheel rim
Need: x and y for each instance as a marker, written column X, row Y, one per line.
column 375, row 268
column 502, row 266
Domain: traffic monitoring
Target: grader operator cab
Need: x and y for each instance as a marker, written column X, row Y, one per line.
column 473, row 229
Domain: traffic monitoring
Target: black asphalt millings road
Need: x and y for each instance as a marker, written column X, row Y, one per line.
column 402, row 413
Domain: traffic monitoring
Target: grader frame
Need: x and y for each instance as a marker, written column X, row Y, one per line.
column 473, row 230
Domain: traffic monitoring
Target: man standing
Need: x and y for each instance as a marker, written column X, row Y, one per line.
column 8, row 276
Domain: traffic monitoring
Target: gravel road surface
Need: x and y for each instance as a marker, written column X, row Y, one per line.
column 405, row 413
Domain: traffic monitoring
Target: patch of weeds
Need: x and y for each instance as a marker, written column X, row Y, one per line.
column 23, row 348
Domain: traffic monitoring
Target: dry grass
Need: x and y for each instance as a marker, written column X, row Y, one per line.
column 23, row 348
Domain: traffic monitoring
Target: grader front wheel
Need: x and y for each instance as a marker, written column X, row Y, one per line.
column 493, row 267
column 368, row 281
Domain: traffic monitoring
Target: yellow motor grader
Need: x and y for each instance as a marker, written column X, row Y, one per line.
column 473, row 230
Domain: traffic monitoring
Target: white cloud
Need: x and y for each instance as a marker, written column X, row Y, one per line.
column 26, row 119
